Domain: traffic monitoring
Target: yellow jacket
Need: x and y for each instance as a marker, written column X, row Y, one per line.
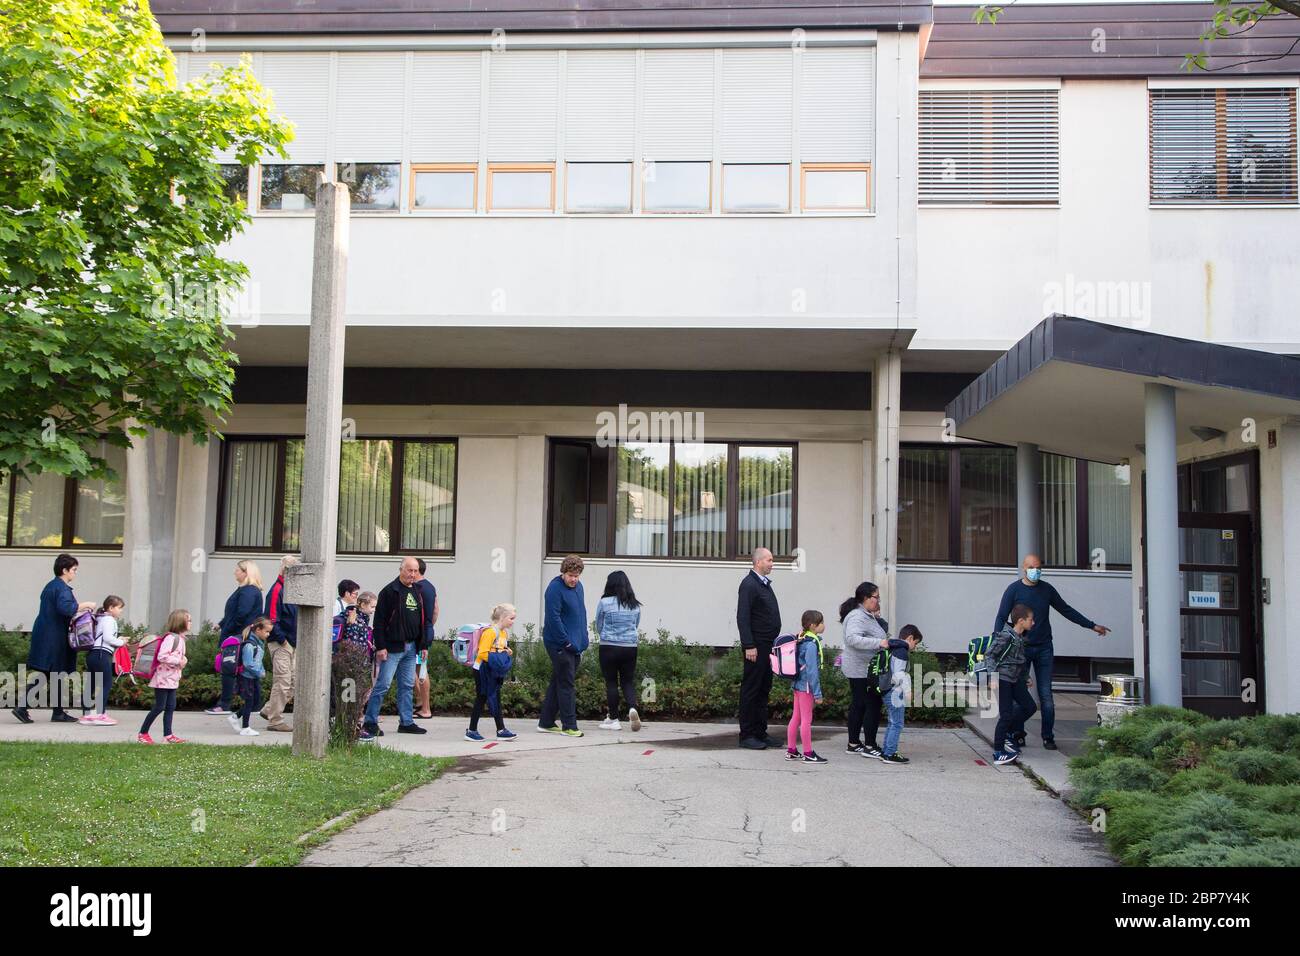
column 491, row 640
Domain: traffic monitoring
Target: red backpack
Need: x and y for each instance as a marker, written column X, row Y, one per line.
column 146, row 656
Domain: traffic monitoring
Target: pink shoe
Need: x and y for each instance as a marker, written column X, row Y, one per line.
column 106, row 720
column 144, row 738
column 173, row 739
column 90, row 719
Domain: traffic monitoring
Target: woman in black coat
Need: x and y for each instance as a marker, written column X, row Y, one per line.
column 242, row 607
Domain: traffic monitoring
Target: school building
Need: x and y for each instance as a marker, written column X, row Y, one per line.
column 894, row 293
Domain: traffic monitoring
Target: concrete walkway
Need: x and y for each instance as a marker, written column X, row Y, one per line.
column 1075, row 713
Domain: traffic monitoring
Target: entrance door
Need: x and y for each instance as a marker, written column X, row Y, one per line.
column 1216, row 561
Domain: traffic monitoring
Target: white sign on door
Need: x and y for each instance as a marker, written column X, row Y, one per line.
column 1202, row 598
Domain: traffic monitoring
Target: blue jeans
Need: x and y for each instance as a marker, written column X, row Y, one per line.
column 403, row 665
column 1041, row 659
column 895, row 729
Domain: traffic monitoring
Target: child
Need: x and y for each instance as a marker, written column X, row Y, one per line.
column 99, row 662
column 495, row 639
column 252, row 648
column 897, row 690
column 356, row 622
column 1015, row 703
column 807, row 687
column 165, row 680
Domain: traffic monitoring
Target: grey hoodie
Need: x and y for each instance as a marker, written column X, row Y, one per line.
column 1008, row 650
column 863, row 637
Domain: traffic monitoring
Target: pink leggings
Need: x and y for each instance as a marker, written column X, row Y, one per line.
column 802, row 717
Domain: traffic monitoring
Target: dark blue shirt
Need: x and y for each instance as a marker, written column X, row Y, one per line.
column 242, row 608
column 430, row 595
column 1039, row 598
column 50, row 650
column 566, row 616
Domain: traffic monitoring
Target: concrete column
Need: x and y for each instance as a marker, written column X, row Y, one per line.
column 530, row 528
column 151, row 489
column 886, row 385
column 1280, row 553
column 190, row 579
column 1165, row 653
column 311, row 583
column 1029, row 507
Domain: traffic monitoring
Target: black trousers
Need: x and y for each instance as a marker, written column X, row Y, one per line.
column 864, row 710
column 618, row 667
column 250, row 692
column 53, row 689
column 164, row 702
column 561, row 696
column 1015, row 706
column 484, row 682
column 228, row 682
column 755, row 688
column 100, row 663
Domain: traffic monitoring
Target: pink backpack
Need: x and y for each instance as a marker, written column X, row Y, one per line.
column 146, row 656
column 785, row 656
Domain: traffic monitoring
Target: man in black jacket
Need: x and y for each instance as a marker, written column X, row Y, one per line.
column 759, row 619
column 403, row 623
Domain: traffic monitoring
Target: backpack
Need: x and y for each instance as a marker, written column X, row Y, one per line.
column 785, row 656
column 464, row 647
column 336, row 629
column 880, row 669
column 81, row 630
column 146, row 657
column 978, row 660
column 227, row 660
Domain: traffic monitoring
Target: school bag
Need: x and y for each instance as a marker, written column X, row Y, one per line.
column 81, row 630
column 146, row 656
column 464, row 646
column 784, row 656
column 880, row 669
column 978, row 660
column 227, row 660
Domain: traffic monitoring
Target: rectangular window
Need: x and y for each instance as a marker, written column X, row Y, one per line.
column 1108, row 514
column 521, row 186
column 831, row 186
column 923, row 504
column 50, row 511
column 988, row 506
column 598, row 187
column 99, row 509
column 444, row 186
column 287, row 188
column 677, row 187
column 235, row 178
column 1057, row 490
column 989, row 146
column 373, row 185
column 1229, row 146
column 38, row 511
column 390, row 490
column 681, row 500
column 755, row 187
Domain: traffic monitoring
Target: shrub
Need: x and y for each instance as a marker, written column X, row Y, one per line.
column 1271, row 852
column 1257, row 765
column 1118, row 773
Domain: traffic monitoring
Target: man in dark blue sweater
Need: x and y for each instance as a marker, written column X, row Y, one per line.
column 1039, row 596
column 565, row 637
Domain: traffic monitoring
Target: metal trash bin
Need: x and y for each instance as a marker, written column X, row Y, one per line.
column 1121, row 695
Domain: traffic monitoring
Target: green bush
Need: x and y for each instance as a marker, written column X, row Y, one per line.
column 1258, row 765
column 1264, row 853
column 1120, row 773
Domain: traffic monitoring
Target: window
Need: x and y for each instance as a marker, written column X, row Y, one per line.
column 1223, row 146
column 373, row 185
column 987, row 496
column 755, row 187
column 235, row 178
column 598, row 187
column 677, row 187
column 1085, row 513
column 50, row 511
column 703, row 500
column 923, row 504
column 521, row 186
column 394, row 495
column 444, row 186
column 989, row 146
column 836, row 186
column 288, row 188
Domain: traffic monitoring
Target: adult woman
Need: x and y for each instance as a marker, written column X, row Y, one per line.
column 617, row 617
column 50, row 653
column 865, row 635
column 242, row 608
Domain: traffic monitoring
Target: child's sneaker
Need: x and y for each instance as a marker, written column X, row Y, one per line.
column 106, row 721
column 249, row 732
column 634, row 719
column 173, row 739
column 1001, row 757
column 553, row 729
column 575, row 732
column 504, row 734
column 216, row 710
column 812, row 757
column 1019, row 740
column 89, row 720
column 235, row 723
column 898, row 759
column 473, row 735
column 792, row 754
column 853, row 748
column 609, row 723
column 143, row 738
column 367, row 736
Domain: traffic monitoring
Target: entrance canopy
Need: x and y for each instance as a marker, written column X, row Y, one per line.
column 1076, row 387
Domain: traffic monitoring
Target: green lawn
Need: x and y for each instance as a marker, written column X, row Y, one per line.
column 191, row 805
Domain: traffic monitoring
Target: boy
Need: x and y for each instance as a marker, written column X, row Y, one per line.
column 1015, row 703
column 897, row 690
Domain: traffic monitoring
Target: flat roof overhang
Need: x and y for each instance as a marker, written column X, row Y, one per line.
column 1076, row 387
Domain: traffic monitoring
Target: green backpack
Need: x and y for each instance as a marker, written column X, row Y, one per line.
column 977, row 659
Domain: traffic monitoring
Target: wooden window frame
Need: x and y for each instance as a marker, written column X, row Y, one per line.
column 417, row 168
column 789, row 189
column 805, row 168
column 68, row 525
column 708, row 207
column 494, row 168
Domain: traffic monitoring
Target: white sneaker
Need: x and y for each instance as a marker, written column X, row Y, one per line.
column 235, row 722
column 249, row 732
column 609, row 723
column 634, row 718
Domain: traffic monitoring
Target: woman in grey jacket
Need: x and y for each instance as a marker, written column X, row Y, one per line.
column 865, row 635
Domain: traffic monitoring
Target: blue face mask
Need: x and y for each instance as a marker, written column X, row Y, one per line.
column 1033, row 574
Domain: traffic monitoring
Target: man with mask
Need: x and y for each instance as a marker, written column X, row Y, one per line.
column 1039, row 596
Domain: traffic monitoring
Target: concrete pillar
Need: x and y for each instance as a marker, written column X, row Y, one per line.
column 151, row 489
column 1029, row 507
column 191, row 580
column 311, row 584
column 1162, row 584
column 1280, row 554
column 886, row 383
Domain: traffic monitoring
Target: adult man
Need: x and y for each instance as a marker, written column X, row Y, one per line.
column 564, row 636
column 49, row 653
column 422, row 682
column 280, row 647
column 1039, row 596
column 402, row 625
column 758, row 618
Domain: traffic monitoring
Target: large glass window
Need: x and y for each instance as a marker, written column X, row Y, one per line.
column 235, row 178
column 288, row 188
column 765, row 512
column 390, row 490
column 38, row 510
column 1057, row 491
column 523, row 187
column 100, row 508
column 923, row 504
column 845, row 186
column 676, row 187
column 1108, row 514
column 444, row 186
column 50, row 511
column 373, row 185
column 755, row 187
column 642, row 497
column 598, row 187
column 700, row 501
column 988, row 506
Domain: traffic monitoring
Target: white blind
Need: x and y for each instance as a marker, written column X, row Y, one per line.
column 1223, row 146
column 837, row 105
column 757, row 105
column 600, row 105
column 196, row 65
column 989, row 146
column 677, row 105
column 445, row 107
column 522, row 104
column 299, row 85
column 369, row 99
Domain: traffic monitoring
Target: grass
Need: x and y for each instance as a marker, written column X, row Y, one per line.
column 192, row 805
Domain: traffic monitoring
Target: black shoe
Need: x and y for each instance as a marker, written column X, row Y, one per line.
column 853, row 748
column 411, row 729
column 1019, row 741
column 753, row 743
column 872, row 751
column 893, row 759
column 1050, row 745
column 62, row 717
column 20, row 713
column 373, row 730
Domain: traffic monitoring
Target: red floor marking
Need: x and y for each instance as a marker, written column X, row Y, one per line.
column 489, row 746
column 980, row 762
column 647, row 753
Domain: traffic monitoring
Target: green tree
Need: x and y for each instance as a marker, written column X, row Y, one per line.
column 112, row 291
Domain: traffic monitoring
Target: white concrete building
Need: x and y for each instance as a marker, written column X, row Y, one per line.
column 781, row 239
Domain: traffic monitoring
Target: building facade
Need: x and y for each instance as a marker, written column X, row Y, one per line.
column 659, row 285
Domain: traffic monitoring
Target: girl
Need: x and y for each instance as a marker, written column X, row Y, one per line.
column 99, row 662
column 252, row 647
column 165, row 680
column 488, row 684
column 807, row 687
column 617, row 617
